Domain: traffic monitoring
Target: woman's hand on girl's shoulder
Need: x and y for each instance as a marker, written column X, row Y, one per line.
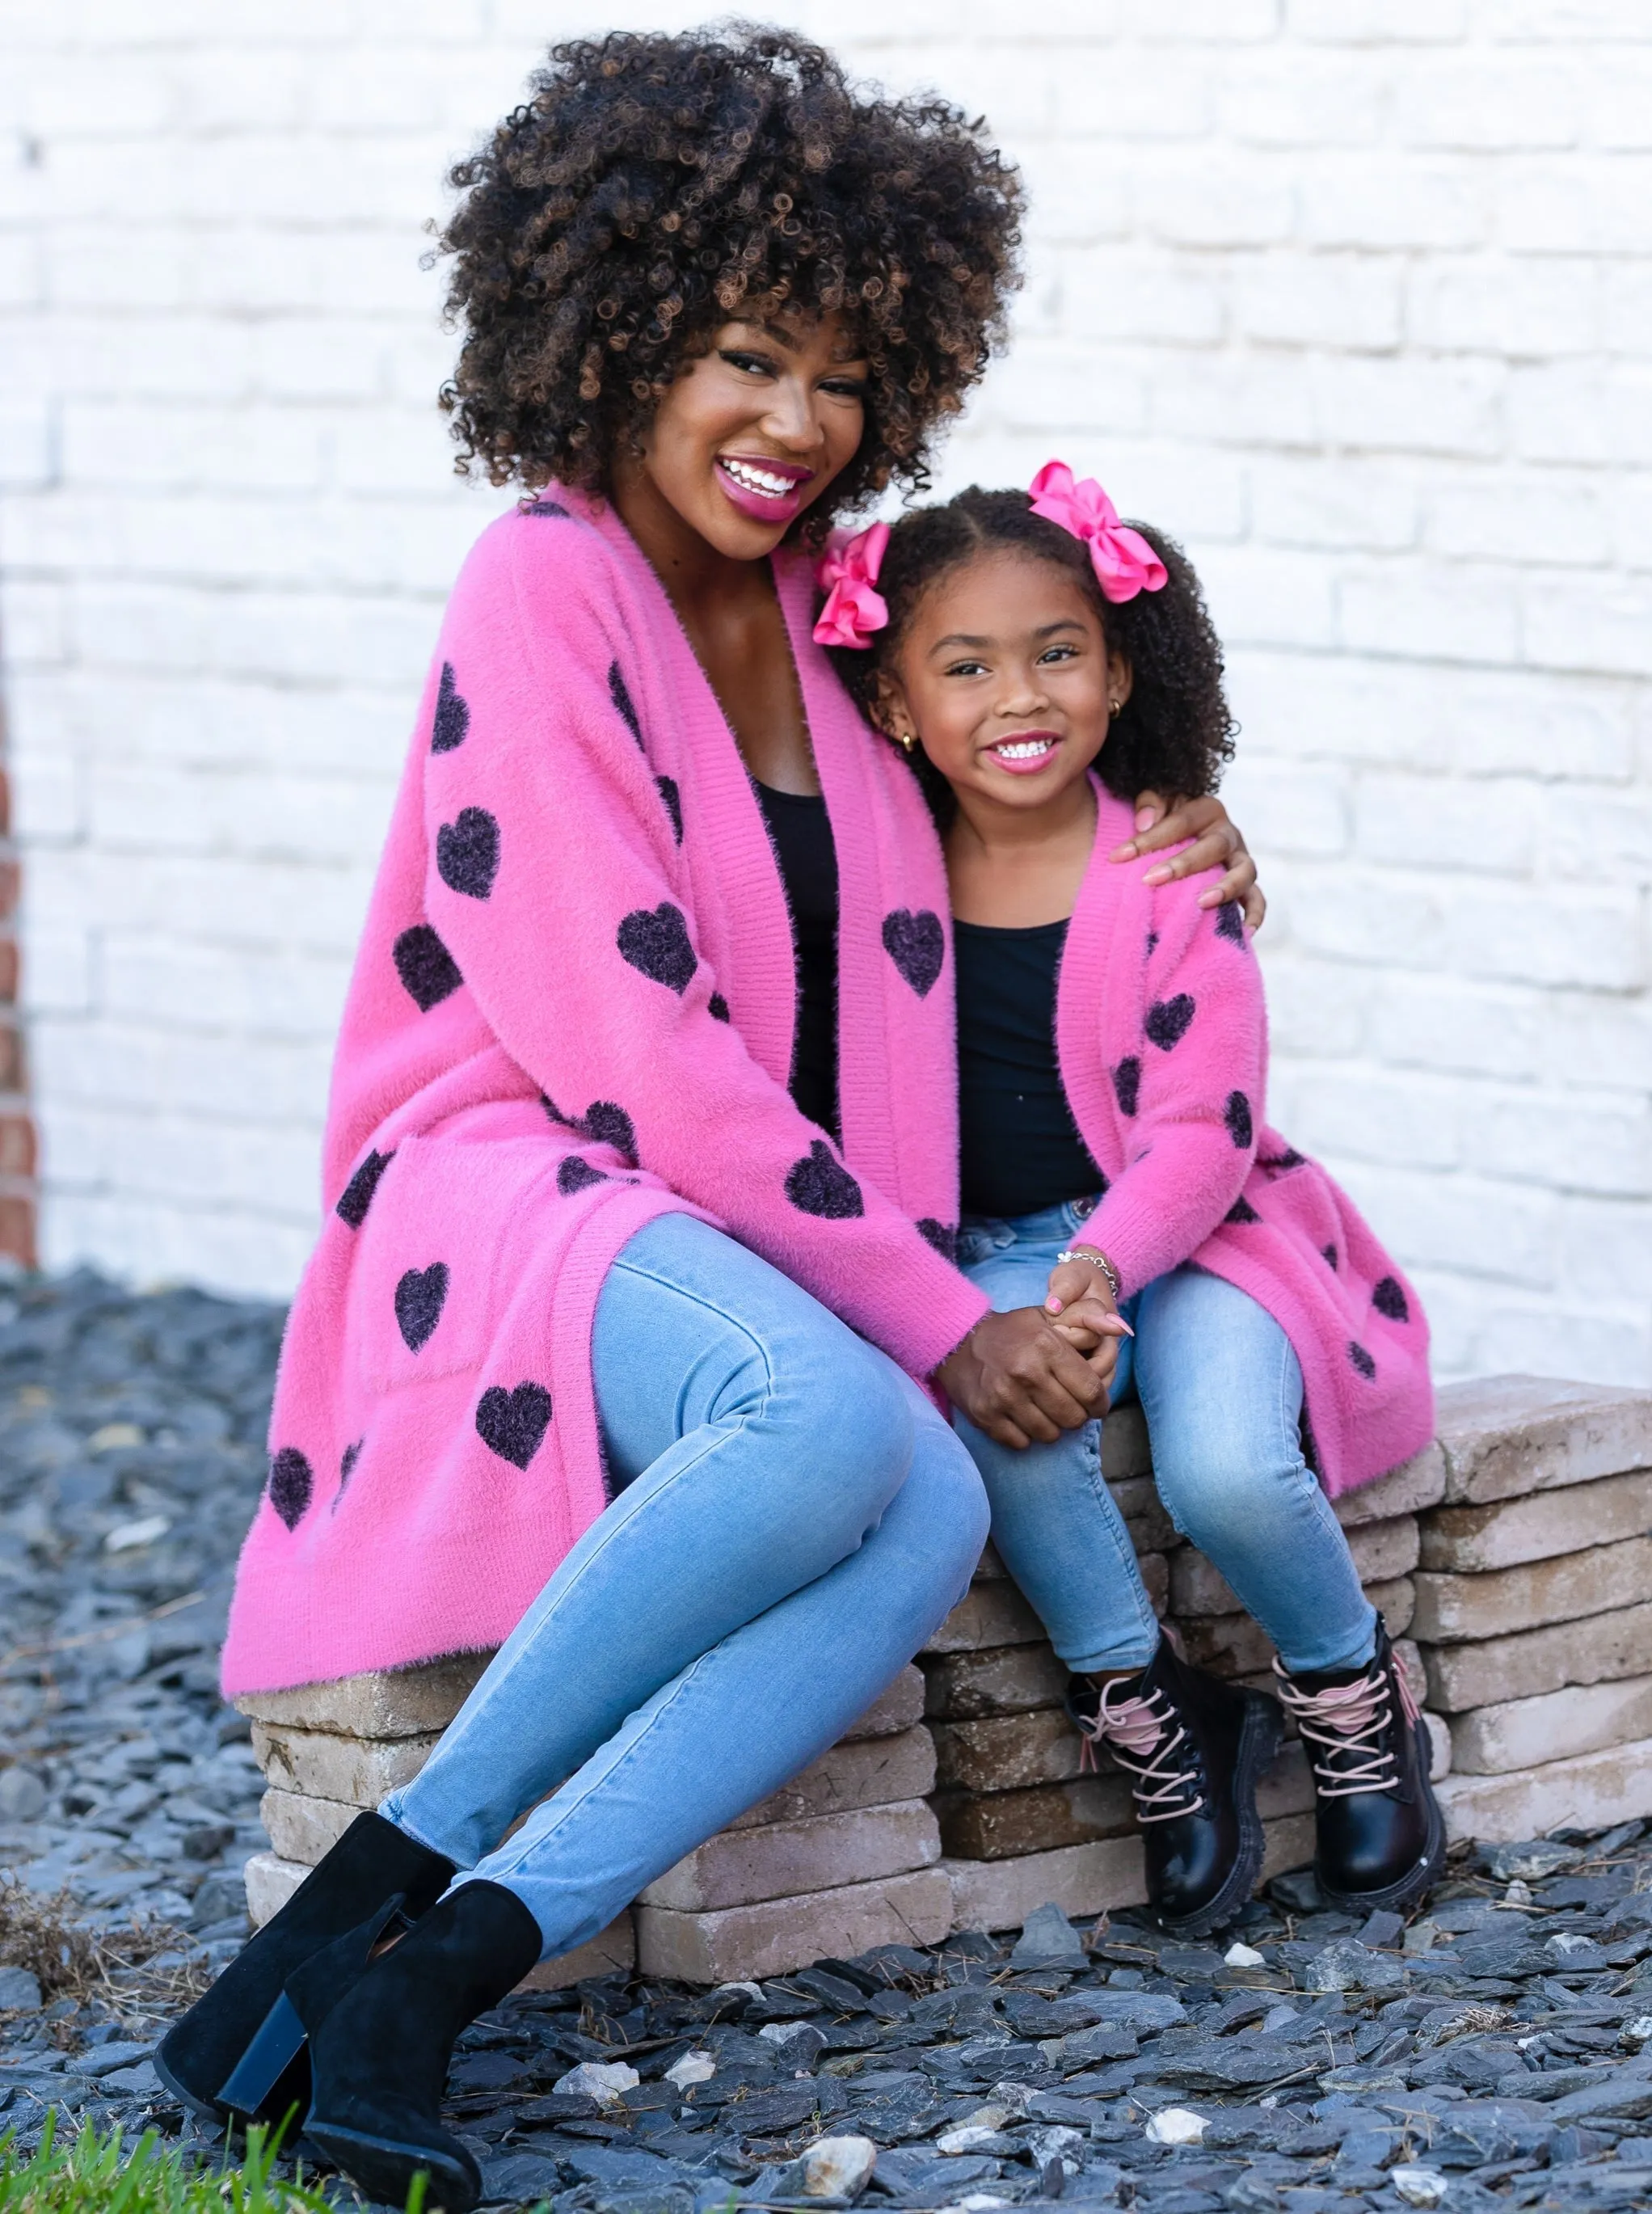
column 1218, row 843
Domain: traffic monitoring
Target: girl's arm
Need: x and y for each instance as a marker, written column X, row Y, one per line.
column 555, row 881
column 1189, row 1094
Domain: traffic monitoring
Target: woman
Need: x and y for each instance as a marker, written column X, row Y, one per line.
column 641, row 1215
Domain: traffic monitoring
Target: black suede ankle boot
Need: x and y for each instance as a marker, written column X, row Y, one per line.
column 1195, row 1749
column 373, row 1865
column 1381, row 1838
column 380, row 2053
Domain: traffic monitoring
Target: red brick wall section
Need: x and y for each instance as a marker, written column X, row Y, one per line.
column 17, row 1145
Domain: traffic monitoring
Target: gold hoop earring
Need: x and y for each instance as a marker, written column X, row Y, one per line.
column 1115, row 709
column 908, row 740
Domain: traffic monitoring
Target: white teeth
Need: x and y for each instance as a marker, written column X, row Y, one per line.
column 1023, row 749
column 758, row 481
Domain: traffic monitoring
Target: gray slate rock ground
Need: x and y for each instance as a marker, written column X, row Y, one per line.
column 1503, row 2040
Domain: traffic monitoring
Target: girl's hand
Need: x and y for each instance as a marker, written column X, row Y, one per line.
column 1018, row 1378
column 1219, row 843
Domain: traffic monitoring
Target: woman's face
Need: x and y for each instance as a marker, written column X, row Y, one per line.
column 754, row 430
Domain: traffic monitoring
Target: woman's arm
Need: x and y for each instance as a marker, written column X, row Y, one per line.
column 1218, row 843
column 555, row 881
column 1189, row 1094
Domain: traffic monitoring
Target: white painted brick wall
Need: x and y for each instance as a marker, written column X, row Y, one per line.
column 1354, row 295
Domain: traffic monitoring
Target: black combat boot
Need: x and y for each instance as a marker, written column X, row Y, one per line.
column 1195, row 1749
column 379, row 2052
column 1381, row 1838
column 373, row 1872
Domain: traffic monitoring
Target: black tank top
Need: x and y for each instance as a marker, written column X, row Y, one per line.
column 801, row 833
column 1020, row 1148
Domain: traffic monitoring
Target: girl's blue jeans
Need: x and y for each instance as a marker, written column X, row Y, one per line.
column 1222, row 1392
column 792, row 1518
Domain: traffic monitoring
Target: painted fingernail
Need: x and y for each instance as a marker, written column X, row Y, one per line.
column 1145, row 818
column 1053, row 1306
column 1160, row 876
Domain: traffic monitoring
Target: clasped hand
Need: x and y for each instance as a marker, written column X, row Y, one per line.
column 1035, row 1371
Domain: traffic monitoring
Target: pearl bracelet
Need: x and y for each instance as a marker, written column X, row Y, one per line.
column 1092, row 1253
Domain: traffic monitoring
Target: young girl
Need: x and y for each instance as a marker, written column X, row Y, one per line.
column 1038, row 660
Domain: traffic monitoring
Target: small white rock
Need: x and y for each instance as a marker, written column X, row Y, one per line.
column 129, row 1537
column 605, row 2081
column 979, row 2201
column 1243, row 1956
column 1637, row 2032
column 692, row 2067
column 1174, row 2126
column 838, row 2167
column 992, row 2116
column 1053, row 2143
column 1419, row 2186
column 966, row 2138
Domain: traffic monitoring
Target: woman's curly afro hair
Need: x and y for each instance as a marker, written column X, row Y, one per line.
column 656, row 187
column 1175, row 733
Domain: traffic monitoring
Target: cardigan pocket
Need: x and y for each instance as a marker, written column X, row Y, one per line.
column 439, row 1254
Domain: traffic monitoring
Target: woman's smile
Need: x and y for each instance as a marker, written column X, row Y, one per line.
column 759, row 486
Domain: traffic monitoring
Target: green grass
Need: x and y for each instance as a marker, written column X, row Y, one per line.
column 94, row 2173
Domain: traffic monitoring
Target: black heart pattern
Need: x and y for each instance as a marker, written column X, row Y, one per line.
column 569, row 1122
column 1237, row 1115
column 428, row 971
column 547, row 509
column 1167, row 1020
column 1276, row 1163
column 668, row 790
column 467, row 852
column 656, row 941
column 357, row 1195
column 718, row 1008
column 916, row 943
column 347, row 1461
column 940, row 1235
column 606, row 1124
column 1241, row 1211
column 1330, row 1253
column 513, row 1423
column 1127, row 1084
column 452, row 714
column 292, row 1483
column 1388, row 1298
column 576, row 1174
column 1230, row 921
column 1360, row 1359
column 819, row 1184
column 622, row 701
column 420, row 1298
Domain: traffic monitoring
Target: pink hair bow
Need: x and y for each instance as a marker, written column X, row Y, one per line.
column 1124, row 561
column 849, row 571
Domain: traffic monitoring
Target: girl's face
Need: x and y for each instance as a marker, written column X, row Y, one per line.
column 1005, row 677
column 754, row 430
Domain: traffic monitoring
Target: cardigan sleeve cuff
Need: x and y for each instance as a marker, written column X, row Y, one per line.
column 936, row 1313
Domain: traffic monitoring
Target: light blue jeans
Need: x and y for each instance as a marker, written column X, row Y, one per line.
column 793, row 1518
column 1222, row 1392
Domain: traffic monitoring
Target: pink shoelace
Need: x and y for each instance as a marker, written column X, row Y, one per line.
column 1349, row 1722
column 1144, row 1736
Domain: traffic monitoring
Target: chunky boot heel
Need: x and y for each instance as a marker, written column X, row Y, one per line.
column 272, row 2077
column 1195, row 1750
column 373, row 1861
column 380, row 2058
column 1380, row 1835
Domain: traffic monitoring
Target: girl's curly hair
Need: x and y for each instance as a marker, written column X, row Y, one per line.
column 1175, row 731
column 655, row 186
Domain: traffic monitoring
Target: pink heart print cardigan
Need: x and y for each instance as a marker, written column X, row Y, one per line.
column 1161, row 1032
column 572, row 1010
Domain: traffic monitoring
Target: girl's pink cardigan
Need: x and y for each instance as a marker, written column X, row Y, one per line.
column 572, row 1010
column 1162, row 1035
